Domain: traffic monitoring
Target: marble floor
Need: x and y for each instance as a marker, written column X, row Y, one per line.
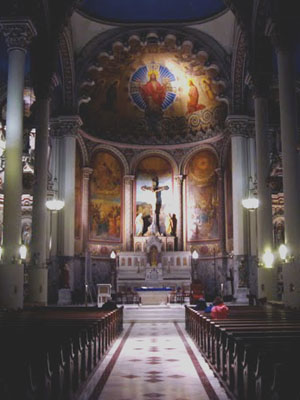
column 153, row 359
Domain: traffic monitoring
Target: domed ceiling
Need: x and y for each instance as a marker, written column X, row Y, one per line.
column 153, row 92
column 154, row 11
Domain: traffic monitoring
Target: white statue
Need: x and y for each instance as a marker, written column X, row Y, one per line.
column 139, row 225
column 169, row 224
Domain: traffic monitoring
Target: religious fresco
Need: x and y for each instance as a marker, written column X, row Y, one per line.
column 202, row 197
column 105, row 198
column 146, row 201
column 153, row 94
column 78, row 193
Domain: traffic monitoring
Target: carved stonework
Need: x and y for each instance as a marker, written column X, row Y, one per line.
column 65, row 125
column 18, row 34
column 240, row 125
column 66, row 51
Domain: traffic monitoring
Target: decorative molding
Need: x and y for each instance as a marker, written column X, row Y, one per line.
column 65, row 125
column 18, row 33
column 240, row 125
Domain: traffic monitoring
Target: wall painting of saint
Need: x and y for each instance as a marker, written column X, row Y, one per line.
column 105, row 198
column 202, row 197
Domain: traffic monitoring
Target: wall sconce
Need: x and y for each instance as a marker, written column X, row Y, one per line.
column 268, row 258
column 23, row 252
column 1, row 252
column 283, row 251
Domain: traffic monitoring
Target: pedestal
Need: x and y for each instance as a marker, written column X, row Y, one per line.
column 64, row 297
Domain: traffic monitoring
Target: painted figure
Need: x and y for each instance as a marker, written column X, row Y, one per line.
column 153, row 92
column 192, row 104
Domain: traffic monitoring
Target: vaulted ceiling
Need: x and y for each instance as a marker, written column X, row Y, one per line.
column 151, row 11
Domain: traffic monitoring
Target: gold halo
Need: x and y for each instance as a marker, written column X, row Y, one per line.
column 202, row 167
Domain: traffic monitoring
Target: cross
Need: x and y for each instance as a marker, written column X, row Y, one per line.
column 156, row 189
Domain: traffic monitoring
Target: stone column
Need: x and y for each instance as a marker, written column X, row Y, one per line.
column 239, row 128
column 265, row 277
column 18, row 35
column 283, row 43
column 86, row 173
column 38, row 272
column 264, row 211
column 66, row 127
column 179, row 214
column 129, row 213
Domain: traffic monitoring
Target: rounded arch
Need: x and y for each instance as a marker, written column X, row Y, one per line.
column 115, row 152
column 192, row 152
column 83, row 150
column 152, row 152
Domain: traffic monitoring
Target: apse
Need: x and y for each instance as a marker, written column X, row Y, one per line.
column 153, row 91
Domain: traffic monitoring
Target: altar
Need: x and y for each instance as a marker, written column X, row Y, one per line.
column 154, row 264
column 154, row 296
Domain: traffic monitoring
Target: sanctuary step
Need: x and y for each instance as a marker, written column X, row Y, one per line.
column 135, row 313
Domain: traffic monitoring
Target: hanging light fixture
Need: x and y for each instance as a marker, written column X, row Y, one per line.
column 55, row 204
column 23, row 252
column 251, row 203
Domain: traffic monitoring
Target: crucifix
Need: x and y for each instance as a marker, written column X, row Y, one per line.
column 156, row 205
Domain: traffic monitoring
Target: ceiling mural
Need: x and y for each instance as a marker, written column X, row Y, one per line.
column 153, row 93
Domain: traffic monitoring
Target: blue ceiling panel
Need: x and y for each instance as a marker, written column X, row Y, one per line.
column 142, row 11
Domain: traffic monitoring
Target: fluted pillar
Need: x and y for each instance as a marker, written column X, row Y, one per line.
column 128, row 211
column 18, row 35
column 86, row 173
column 179, row 197
column 38, row 272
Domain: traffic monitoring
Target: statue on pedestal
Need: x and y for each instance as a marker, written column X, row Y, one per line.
column 139, row 225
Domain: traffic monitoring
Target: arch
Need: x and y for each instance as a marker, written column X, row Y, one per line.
column 153, row 152
column 84, row 153
column 115, row 152
column 184, row 163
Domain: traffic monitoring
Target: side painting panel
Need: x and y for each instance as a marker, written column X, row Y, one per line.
column 146, row 201
column 202, row 197
column 105, row 198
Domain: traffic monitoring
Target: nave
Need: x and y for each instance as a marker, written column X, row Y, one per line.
column 153, row 359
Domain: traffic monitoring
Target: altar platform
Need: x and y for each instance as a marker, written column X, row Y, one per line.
column 154, row 296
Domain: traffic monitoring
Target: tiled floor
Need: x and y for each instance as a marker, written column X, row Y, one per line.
column 154, row 360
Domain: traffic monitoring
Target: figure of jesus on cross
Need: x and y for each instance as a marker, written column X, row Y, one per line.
column 156, row 205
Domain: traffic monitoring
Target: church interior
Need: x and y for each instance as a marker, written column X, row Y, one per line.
column 149, row 200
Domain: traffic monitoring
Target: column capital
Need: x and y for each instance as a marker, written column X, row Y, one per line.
column 18, row 33
column 128, row 178
column 240, row 125
column 65, row 125
column 86, row 172
column 282, row 37
column 258, row 83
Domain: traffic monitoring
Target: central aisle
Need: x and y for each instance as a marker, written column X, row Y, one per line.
column 154, row 360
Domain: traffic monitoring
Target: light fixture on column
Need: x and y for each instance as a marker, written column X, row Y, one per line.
column 23, row 252
column 283, row 251
column 268, row 258
column 251, row 203
column 195, row 256
column 53, row 205
column 113, row 262
column 1, row 252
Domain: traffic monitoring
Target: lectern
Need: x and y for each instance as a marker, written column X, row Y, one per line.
column 103, row 293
